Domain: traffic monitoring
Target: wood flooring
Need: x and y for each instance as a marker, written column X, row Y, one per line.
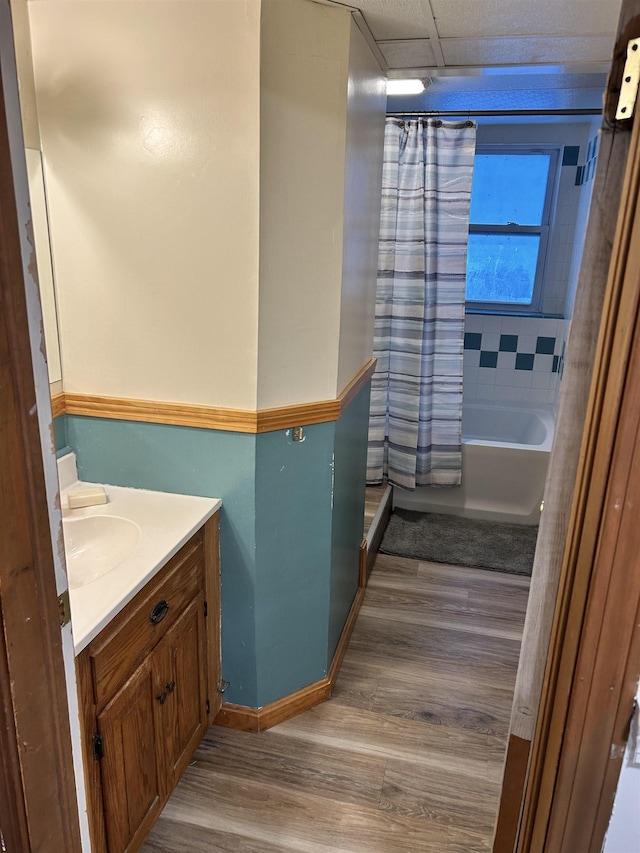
column 407, row 755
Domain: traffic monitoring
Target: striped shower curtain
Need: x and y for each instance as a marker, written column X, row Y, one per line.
column 415, row 429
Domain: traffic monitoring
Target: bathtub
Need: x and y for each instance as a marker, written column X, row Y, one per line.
column 505, row 454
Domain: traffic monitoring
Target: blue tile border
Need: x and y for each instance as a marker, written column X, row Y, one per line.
column 545, row 345
column 587, row 171
column 524, row 361
column 488, row 359
column 570, row 155
column 508, row 343
column 472, row 340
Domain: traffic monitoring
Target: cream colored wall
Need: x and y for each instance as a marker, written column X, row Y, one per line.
column 204, row 248
column 149, row 123
column 43, row 260
column 363, row 180
column 24, row 66
column 31, row 134
column 304, row 76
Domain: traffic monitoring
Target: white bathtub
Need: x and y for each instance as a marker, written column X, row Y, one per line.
column 505, row 454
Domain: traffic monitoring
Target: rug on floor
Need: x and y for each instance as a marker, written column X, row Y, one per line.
column 460, row 541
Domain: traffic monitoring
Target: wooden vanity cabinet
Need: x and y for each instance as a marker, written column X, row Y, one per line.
column 148, row 687
column 131, row 736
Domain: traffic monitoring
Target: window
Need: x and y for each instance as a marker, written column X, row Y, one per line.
column 511, row 215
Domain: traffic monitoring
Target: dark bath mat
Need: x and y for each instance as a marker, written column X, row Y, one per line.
column 460, row 541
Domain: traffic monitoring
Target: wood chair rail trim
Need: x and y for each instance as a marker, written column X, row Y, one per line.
column 212, row 417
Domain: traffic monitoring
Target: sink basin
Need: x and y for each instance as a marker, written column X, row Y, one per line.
column 96, row 544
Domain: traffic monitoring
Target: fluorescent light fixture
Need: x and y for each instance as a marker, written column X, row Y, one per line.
column 405, row 87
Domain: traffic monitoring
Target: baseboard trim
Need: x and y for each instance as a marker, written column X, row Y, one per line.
column 245, row 719
column 514, row 780
column 343, row 644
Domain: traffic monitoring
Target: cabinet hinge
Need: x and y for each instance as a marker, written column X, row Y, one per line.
column 64, row 608
column 98, row 747
column 206, row 610
column 208, row 707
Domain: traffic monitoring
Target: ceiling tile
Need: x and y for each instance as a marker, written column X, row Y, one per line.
column 476, row 18
column 416, row 53
column 554, row 50
column 394, row 19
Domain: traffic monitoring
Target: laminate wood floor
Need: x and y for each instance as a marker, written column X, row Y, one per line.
column 407, row 755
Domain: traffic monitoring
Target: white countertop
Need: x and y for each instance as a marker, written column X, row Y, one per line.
column 166, row 522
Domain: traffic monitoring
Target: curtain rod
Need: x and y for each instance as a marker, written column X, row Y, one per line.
column 473, row 113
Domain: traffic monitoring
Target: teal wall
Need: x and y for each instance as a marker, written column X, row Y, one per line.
column 293, row 539
column 348, row 512
column 60, row 435
column 203, row 462
column 290, row 530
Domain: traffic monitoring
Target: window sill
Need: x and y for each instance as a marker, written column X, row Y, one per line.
column 504, row 312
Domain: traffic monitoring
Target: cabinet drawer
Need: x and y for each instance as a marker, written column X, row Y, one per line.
column 145, row 620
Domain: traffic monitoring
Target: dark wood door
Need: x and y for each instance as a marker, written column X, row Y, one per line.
column 38, row 807
column 180, row 667
column 130, row 730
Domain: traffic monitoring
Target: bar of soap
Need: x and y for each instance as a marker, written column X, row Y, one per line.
column 86, row 497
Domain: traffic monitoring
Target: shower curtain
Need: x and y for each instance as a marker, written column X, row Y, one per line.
column 415, row 428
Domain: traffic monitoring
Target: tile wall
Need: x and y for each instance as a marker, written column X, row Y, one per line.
column 513, row 359
column 518, row 359
column 585, row 173
column 558, row 267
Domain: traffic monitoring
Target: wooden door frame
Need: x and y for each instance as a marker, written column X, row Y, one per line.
column 593, row 667
column 558, row 788
column 38, row 806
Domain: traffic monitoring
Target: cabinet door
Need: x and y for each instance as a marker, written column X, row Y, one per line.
column 180, row 668
column 132, row 791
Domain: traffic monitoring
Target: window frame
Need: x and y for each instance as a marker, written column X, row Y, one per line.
column 544, row 230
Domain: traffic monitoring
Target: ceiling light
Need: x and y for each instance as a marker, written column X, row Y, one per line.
column 405, row 87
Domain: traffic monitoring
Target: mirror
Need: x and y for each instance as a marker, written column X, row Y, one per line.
column 45, row 267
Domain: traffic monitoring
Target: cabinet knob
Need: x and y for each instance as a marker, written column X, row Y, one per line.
column 162, row 698
column 159, row 611
column 170, row 687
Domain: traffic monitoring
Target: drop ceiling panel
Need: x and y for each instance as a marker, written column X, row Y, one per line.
column 476, row 18
column 395, row 19
column 417, row 53
column 519, row 51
